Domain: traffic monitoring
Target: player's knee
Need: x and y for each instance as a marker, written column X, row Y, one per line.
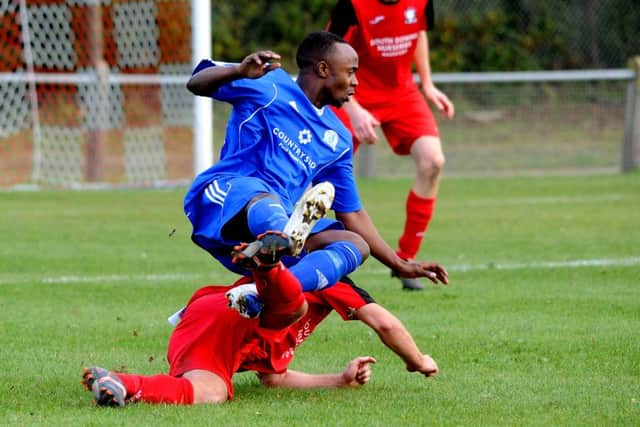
column 431, row 164
column 327, row 237
column 207, row 387
column 211, row 398
column 358, row 242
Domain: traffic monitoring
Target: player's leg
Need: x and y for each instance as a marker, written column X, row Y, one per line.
column 264, row 212
column 218, row 213
column 207, row 386
column 324, row 266
column 427, row 154
column 118, row 389
column 202, row 353
column 277, row 303
column 332, row 254
column 415, row 133
column 277, row 288
column 206, row 346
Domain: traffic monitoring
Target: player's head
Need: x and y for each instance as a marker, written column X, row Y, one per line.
column 333, row 62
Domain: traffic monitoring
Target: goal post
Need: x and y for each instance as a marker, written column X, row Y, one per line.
column 202, row 107
column 631, row 144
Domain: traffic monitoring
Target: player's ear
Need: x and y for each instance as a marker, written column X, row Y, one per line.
column 322, row 69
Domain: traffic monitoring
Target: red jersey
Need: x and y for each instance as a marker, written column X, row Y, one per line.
column 214, row 337
column 274, row 351
column 385, row 37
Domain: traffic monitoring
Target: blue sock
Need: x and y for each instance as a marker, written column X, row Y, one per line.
column 324, row 267
column 266, row 214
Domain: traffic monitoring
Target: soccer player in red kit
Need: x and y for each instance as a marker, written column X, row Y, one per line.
column 389, row 37
column 212, row 341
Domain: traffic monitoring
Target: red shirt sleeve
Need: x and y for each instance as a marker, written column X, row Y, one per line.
column 343, row 16
column 344, row 297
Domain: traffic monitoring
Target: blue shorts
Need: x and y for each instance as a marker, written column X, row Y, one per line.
column 210, row 208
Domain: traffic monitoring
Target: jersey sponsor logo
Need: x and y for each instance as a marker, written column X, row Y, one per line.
column 303, row 333
column 330, row 138
column 376, row 20
column 288, row 145
column 410, row 16
column 394, row 46
column 304, row 136
column 288, row 353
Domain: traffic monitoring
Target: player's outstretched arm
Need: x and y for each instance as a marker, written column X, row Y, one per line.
column 357, row 373
column 255, row 65
column 395, row 336
column 360, row 222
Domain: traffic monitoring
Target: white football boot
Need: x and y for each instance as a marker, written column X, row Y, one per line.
column 313, row 205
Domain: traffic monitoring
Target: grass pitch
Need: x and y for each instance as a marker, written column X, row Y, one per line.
column 539, row 325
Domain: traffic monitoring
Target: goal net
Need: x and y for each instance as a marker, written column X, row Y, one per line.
column 93, row 92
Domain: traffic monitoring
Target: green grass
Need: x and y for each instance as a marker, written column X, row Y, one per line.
column 539, row 325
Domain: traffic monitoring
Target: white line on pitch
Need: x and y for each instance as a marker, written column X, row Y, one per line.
column 213, row 277
column 113, row 278
column 539, row 200
column 580, row 263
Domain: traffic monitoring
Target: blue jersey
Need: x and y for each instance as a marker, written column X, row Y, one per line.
column 276, row 135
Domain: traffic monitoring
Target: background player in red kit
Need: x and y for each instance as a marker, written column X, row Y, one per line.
column 213, row 341
column 389, row 36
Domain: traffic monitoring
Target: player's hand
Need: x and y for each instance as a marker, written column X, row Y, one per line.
column 364, row 125
column 431, row 270
column 428, row 367
column 258, row 64
column 440, row 100
column 358, row 371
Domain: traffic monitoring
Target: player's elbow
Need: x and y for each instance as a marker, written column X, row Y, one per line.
column 193, row 87
column 388, row 327
column 271, row 380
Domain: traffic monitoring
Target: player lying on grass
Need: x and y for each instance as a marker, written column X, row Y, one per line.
column 212, row 341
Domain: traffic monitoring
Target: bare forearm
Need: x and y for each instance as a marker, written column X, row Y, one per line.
column 392, row 333
column 253, row 66
column 208, row 80
column 360, row 222
column 301, row 380
column 352, row 106
column 356, row 374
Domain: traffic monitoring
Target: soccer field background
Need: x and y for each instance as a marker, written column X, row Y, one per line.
column 539, row 325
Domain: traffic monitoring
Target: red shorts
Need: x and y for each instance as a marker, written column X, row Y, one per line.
column 211, row 337
column 403, row 118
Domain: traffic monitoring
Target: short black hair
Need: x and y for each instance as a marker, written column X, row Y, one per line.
column 314, row 48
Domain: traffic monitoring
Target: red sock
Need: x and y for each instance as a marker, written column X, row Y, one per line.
column 419, row 213
column 158, row 388
column 279, row 289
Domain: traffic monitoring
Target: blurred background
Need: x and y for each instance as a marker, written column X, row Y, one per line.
column 93, row 91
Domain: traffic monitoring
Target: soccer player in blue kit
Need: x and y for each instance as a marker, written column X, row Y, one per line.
column 281, row 140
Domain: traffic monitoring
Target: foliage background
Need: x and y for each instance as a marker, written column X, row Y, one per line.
column 483, row 35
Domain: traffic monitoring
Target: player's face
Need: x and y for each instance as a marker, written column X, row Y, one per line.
column 342, row 81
